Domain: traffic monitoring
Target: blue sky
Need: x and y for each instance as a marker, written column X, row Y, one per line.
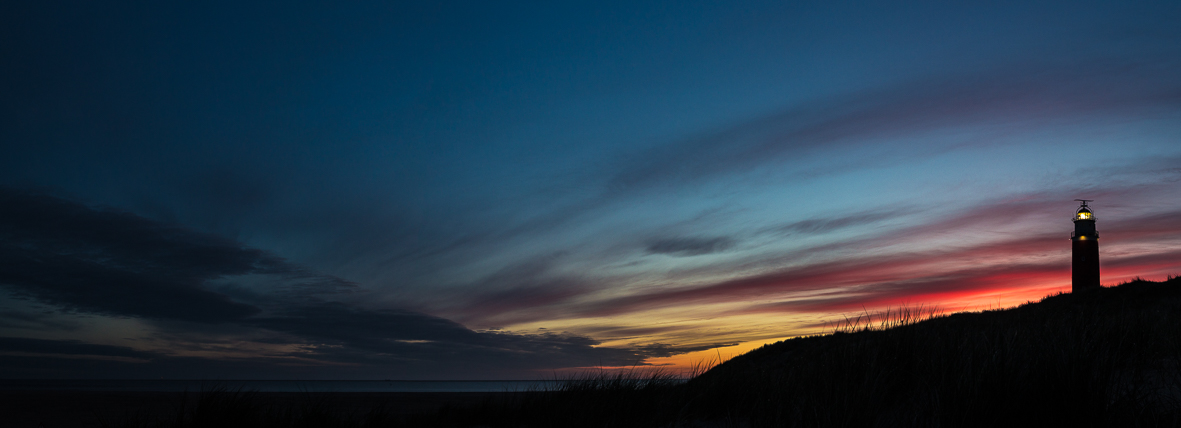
column 301, row 190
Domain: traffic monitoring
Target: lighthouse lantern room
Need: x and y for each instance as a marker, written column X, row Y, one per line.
column 1085, row 250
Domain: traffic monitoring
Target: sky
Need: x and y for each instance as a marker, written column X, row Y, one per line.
column 482, row 190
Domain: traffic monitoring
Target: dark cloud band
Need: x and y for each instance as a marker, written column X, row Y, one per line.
column 110, row 262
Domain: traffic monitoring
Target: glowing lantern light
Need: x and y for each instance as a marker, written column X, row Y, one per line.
column 1085, row 250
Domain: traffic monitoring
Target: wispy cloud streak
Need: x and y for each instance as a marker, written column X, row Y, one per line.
column 101, row 261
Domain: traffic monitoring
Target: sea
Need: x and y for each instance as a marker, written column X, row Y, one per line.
column 165, row 385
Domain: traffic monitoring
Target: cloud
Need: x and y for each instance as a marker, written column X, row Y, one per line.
column 1027, row 95
column 116, row 263
column 105, row 261
column 945, row 287
column 334, row 331
column 1016, row 237
column 17, row 318
column 820, row 225
column 490, row 305
column 661, row 350
column 339, row 332
column 689, row 246
column 69, row 348
column 27, row 358
column 996, row 103
column 337, row 322
column 870, row 270
column 489, row 356
column 531, row 287
column 873, row 271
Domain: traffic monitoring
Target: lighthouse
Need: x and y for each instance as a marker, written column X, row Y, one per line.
column 1084, row 270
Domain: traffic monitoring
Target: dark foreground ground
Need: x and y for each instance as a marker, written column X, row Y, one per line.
column 1105, row 358
column 53, row 409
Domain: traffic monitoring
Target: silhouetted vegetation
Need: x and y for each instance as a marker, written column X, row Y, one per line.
column 1107, row 357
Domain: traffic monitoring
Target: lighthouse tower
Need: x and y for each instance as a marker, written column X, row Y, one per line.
column 1084, row 272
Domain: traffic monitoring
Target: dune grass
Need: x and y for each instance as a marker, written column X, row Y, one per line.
column 1107, row 357
column 1103, row 358
column 890, row 318
column 636, row 397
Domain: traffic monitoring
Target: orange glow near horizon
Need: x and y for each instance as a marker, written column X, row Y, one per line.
column 934, row 268
column 1033, row 289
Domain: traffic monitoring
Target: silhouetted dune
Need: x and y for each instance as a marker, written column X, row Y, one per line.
column 1106, row 357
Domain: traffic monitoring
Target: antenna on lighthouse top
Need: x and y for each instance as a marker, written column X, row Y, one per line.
column 1084, row 212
